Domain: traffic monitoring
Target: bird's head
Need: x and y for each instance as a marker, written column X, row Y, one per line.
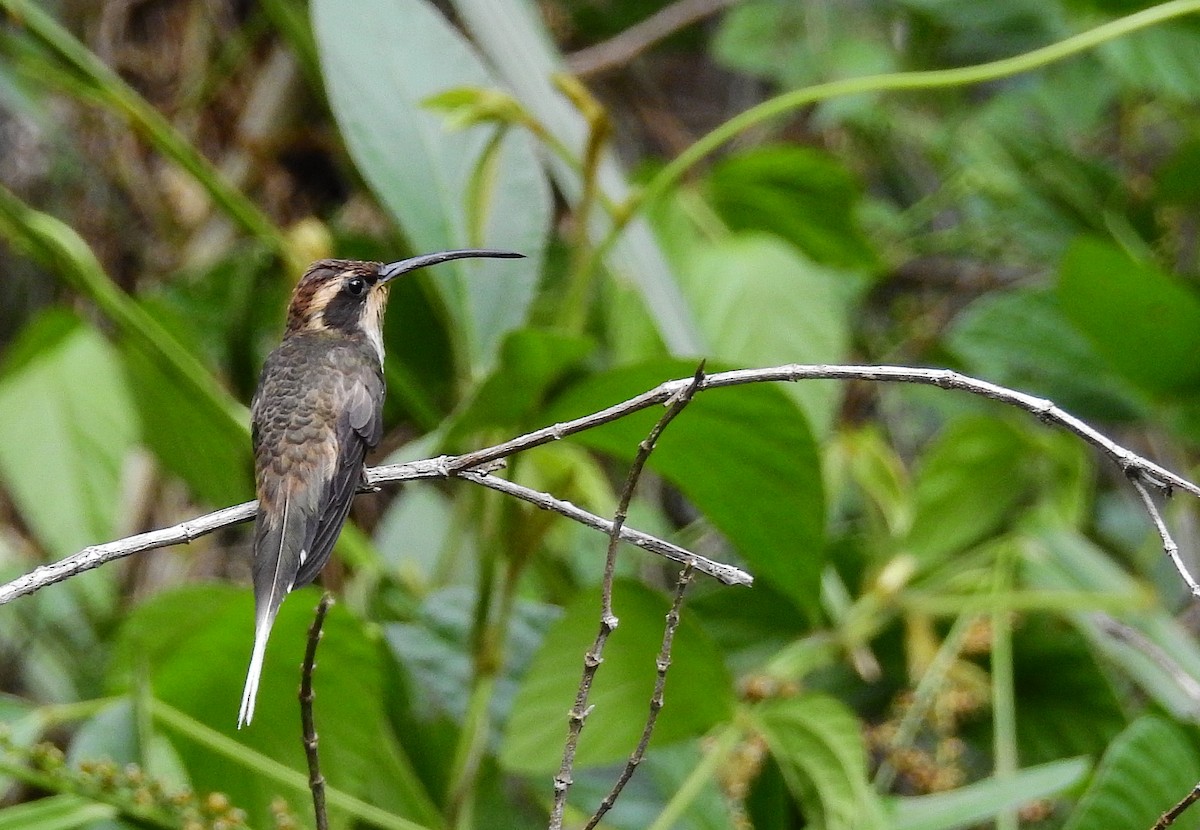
column 348, row 297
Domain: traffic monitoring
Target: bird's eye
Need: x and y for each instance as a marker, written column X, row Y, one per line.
column 357, row 286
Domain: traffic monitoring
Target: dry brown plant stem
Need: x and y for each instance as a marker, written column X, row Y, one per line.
column 316, row 781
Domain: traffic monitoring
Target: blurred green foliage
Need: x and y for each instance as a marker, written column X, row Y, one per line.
column 960, row 618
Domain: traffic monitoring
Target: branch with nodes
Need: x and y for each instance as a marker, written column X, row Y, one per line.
column 474, row 466
column 608, row 620
column 661, row 664
column 316, row 781
column 477, row 467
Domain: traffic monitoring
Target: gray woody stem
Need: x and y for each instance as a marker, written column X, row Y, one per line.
column 608, row 621
column 1138, row 468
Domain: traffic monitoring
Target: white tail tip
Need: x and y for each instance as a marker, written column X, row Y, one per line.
column 250, row 693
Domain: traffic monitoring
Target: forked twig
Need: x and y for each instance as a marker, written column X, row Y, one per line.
column 717, row 570
column 656, row 700
column 1169, row 546
column 316, row 781
column 608, row 620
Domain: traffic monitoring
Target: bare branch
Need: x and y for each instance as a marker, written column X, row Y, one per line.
column 1169, row 546
column 185, row 532
column 1041, row 408
column 608, row 621
column 445, row 466
column 316, row 781
column 1169, row 817
column 626, row 46
column 717, row 570
column 656, row 700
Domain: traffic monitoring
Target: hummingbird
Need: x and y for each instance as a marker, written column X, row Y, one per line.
column 316, row 412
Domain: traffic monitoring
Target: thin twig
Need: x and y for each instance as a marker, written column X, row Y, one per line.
column 452, row 465
column 619, row 50
column 656, row 700
column 1169, row 546
column 1168, row 818
column 316, row 781
column 717, row 570
column 608, row 620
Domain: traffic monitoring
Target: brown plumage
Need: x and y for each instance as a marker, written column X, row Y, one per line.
column 315, row 415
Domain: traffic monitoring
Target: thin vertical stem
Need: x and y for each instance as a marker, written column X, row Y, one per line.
column 656, row 700
column 608, row 620
column 1004, row 709
column 316, row 781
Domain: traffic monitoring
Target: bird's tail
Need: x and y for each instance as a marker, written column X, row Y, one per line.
column 280, row 548
column 262, row 631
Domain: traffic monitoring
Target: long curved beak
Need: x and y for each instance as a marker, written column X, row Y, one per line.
column 394, row 269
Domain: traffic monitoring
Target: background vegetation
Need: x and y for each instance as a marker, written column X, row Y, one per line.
column 960, row 616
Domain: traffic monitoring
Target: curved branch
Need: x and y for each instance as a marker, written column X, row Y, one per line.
column 482, row 460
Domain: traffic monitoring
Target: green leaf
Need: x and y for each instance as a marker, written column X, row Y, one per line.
column 744, row 457
column 1142, row 321
column 976, row 803
column 214, row 460
column 1162, row 657
column 1021, row 339
column 113, row 734
column 69, row 424
column 804, row 196
column 1146, row 770
column 1160, row 61
column 437, row 650
column 1178, row 178
column 1056, row 678
column 817, row 743
column 698, row 691
column 447, row 189
column 766, row 39
column 193, row 645
column 970, row 479
column 518, row 43
column 760, row 303
column 57, row 812
column 531, row 360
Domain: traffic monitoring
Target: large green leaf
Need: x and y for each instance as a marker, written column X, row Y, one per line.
column 975, row 803
column 1160, row 61
column 1150, row 647
column 817, row 743
column 517, row 41
column 437, row 651
column 193, row 645
column 1021, row 338
column 744, row 456
column 698, row 691
column 760, row 303
column 1142, row 321
column 69, row 423
column 805, row 196
column 213, row 458
column 447, row 189
column 969, row 481
column 1146, row 770
column 530, row 361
